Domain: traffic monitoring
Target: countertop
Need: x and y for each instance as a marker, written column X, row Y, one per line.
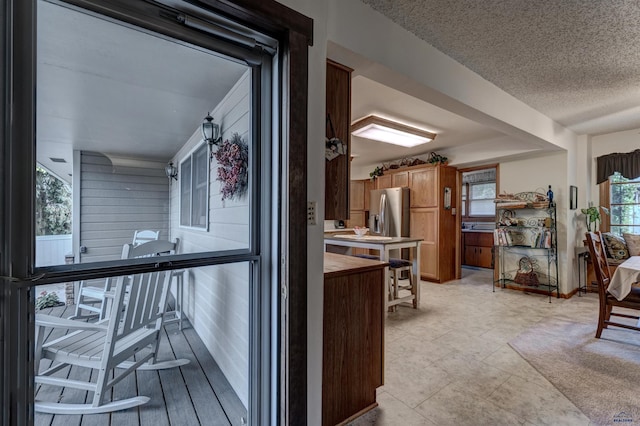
column 369, row 239
column 334, row 230
column 338, row 264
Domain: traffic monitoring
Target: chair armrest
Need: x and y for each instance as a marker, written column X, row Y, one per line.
column 43, row 320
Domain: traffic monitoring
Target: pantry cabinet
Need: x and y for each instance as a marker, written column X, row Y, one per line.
column 433, row 200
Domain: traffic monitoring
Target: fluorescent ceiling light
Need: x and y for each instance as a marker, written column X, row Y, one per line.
column 383, row 130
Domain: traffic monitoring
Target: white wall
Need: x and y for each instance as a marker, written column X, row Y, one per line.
column 217, row 298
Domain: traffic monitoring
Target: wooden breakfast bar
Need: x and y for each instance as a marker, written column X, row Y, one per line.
column 353, row 336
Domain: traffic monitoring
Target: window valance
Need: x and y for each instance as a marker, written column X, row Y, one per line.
column 627, row 164
column 477, row 176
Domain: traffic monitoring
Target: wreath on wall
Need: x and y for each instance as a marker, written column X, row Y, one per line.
column 233, row 161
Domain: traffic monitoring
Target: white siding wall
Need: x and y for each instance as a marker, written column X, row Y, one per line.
column 116, row 201
column 217, row 298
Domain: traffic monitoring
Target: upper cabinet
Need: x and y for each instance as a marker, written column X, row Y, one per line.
column 338, row 125
column 424, row 185
column 384, row 181
column 368, row 186
column 356, row 195
column 400, row 179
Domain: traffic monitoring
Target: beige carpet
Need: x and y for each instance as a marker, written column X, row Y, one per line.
column 600, row 376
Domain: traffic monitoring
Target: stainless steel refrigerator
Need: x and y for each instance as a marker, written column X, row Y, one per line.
column 389, row 212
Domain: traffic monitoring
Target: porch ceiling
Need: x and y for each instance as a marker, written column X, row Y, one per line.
column 113, row 89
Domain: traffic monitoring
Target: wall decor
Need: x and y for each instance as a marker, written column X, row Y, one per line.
column 334, row 147
column 573, row 197
column 233, row 160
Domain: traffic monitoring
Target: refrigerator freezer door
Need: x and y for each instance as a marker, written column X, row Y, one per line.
column 389, row 212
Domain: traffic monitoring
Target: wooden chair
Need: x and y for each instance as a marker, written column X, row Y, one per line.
column 607, row 301
column 132, row 328
column 140, row 237
column 91, row 297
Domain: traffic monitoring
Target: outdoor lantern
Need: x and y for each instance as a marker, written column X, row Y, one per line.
column 210, row 131
column 171, row 171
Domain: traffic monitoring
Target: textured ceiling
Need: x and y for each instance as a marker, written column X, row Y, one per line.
column 576, row 61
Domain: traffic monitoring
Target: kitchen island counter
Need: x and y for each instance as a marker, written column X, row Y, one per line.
column 383, row 245
column 353, row 336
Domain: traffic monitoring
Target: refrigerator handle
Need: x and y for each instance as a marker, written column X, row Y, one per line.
column 383, row 215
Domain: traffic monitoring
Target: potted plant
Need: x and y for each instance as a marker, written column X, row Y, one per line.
column 437, row 159
column 47, row 300
column 376, row 172
column 592, row 216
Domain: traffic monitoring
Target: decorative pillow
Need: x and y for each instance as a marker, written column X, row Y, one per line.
column 615, row 246
column 633, row 243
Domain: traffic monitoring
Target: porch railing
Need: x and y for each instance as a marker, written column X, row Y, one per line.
column 56, row 250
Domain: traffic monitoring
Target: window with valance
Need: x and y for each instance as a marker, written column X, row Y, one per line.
column 627, row 164
column 621, row 193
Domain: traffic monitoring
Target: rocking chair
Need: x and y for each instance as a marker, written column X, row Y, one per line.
column 91, row 298
column 132, row 327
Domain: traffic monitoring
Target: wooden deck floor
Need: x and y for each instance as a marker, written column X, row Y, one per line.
column 195, row 394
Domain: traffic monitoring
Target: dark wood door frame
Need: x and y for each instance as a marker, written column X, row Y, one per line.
column 17, row 127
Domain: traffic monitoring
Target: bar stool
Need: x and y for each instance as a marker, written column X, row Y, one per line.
column 389, row 286
column 396, row 266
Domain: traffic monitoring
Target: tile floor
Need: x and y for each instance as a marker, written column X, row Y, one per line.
column 448, row 363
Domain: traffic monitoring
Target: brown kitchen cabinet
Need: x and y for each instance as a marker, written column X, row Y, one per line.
column 384, row 181
column 478, row 249
column 338, row 108
column 430, row 219
column 424, row 187
column 359, row 207
column 356, row 218
column 368, row 186
column 356, row 195
column 353, row 336
column 400, row 179
column 434, row 221
column 424, row 224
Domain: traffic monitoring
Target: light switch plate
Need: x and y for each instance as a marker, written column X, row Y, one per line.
column 311, row 212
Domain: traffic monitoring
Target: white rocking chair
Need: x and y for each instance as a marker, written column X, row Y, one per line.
column 91, row 298
column 134, row 321
column 141, row 237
